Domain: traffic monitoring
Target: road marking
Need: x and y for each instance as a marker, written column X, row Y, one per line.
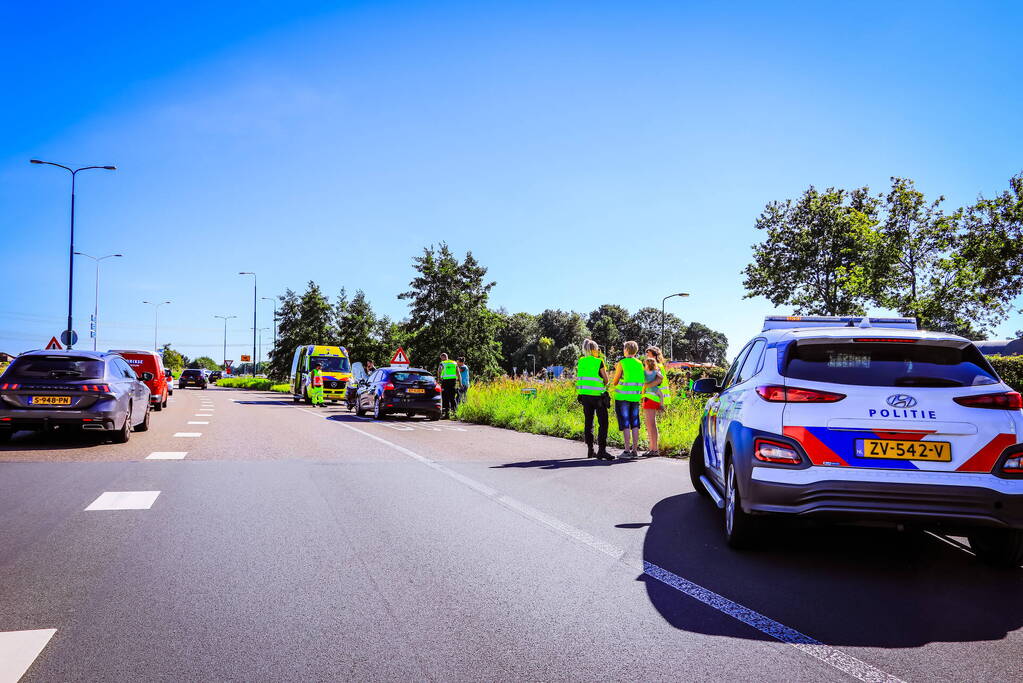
column 204, row 414
column 198, row 422
column 188, row 435
column 834, row 657
column 124, row 500
column 167, row 455
column 18, row 649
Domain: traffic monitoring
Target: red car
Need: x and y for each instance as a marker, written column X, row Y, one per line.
column 151, row 362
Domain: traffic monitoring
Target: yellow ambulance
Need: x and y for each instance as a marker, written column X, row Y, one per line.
column 334, row 363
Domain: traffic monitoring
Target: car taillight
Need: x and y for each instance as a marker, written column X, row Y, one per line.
column 1013, row 465
column 775, row 393
column 766, row 450
column 1008, row 400
column 5, row 385
column 886, row 340
column 96, row 387
column 437, row 388
column 388, row 387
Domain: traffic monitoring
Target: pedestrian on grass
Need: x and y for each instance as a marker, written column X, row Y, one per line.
column 653, row 402
column 662, row 366
column 315, row 388
column 463, row 379
column 591, row 391
column 448, row 373
column 628, row 389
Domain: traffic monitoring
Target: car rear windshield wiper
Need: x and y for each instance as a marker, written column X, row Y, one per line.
column 65, row 373
column 918, row 381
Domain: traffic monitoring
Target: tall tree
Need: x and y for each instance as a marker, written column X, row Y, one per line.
column 517, row 334
column 812, row 256
column 306, row 319
column 564, row 327
column 357, row 326
column 448, row 311
column 172, row 360
column 700, row 344
column 645, row 327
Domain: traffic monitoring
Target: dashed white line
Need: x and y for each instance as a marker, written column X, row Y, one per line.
column 187, row 435
column 167, row 455
column 198, row 422
column 829, row 655
column 18, row 649
column 204, row 415
column 124, row 500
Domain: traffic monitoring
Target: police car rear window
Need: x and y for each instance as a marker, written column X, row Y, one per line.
column 889, row 364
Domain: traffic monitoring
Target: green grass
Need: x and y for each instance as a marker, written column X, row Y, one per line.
column 556, row 412
column 258, row 383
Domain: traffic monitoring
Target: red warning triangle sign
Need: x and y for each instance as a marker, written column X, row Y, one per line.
column 399, row 357
column 54, row 345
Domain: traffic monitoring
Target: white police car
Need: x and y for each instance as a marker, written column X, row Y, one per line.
column 865, row 421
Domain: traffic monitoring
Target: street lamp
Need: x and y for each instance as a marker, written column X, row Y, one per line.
column 71, row 251
column 662, row 313
column 528, row 355
column 225, row 318
column 156, row 319
column 95, row 305
column 274, row 303
column 261, row 331
column 254, row 299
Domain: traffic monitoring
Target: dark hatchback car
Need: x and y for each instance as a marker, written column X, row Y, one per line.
column 216, row 375
column 193, row 378
column 81, row 390
column 412, row 391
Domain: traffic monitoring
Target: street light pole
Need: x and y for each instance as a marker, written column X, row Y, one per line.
column 534, row 362
column 95, row 305
column 274, row 303
column 254, row 299
column 662, row 313
column 225, row 318
column 261, row 331
column 156, row 319
column 71, row 250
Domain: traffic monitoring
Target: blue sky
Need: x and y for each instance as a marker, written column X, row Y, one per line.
column 570, row 146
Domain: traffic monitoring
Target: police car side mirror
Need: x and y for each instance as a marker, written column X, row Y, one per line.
column 707, row 385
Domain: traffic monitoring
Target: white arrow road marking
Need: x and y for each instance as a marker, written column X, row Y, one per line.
column 167, row 455
column 124, row 500
column 188, row 435
column 18, row 649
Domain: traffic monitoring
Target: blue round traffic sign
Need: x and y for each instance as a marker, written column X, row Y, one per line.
column 69, row 337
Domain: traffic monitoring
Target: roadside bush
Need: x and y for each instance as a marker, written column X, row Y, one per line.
column 257, row 383
column 555, row 412
column 1010, row 369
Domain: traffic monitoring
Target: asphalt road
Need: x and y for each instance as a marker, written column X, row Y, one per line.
column 289, row 543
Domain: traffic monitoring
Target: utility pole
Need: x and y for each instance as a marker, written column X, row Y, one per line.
column 254, row 299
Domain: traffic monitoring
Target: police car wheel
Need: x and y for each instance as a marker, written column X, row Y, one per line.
column 998, row 547
column 740, row 527
column 696, row 466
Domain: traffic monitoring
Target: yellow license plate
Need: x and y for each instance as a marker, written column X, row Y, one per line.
column 51, row 400
column 935, row 451
column 417, row 391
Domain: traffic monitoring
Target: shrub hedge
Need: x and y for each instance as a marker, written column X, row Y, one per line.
column 257, row 383
column 1010, row 369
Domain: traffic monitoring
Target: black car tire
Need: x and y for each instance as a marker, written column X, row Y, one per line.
column 998, row 547
column 204, row 387
column 295, row 399
column 378, row 411
column 158, row 406
column 740, row 527
column 434, row 417
column 164, row 404
column 123, row 435
column 697, row 467
column 359, row 410
column 144, row 425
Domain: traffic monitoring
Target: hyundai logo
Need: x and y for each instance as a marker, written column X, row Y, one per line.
column 901, row 401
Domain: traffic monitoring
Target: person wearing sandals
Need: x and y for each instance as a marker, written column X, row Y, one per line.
column 628, row 389
column 653, row 400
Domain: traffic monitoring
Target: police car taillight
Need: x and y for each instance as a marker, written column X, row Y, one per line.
column 775, row 393
column 766, row 450
column 1013, row 465
column 1008, row 400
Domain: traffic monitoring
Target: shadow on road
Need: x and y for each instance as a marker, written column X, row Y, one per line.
column 563, row 463
column 841, row 585
column 50, row 440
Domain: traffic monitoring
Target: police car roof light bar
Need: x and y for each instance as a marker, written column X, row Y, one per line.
column 779, row 322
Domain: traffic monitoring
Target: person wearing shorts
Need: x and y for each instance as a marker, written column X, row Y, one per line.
column 653, row 401
column 627, row 385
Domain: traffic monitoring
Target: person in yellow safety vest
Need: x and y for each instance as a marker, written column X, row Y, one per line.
column 655, row 353
column 653, row 402
column 448, row 373
column 591, row 391
column 627, row 384
column 315, row 388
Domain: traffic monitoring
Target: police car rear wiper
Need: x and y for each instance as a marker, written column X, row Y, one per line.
column 918, row 381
